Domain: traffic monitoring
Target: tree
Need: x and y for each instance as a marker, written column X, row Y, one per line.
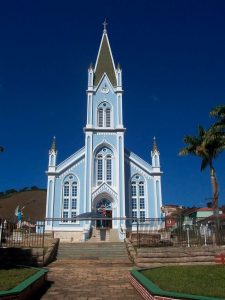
column 34, row 188
column 1, row 148
column 207, row 145
column 219, row 126
column 219, row 113
column 10, row 191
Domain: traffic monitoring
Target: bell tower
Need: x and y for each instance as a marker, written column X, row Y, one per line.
column 104, row 130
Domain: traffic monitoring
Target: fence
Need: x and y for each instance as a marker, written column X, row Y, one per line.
column 24, row 234
column 195, row 232
column 152, row 232
column 142, row 232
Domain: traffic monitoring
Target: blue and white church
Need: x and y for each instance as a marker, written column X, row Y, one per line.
column 103, row 175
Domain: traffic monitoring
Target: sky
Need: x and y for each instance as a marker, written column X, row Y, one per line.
column 172, row 54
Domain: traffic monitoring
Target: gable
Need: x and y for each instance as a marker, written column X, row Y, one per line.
column 137, row 162
column 75, row 158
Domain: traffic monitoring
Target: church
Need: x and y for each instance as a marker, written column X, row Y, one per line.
column 103, row 176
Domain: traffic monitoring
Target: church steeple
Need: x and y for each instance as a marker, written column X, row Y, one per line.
column 52, row 155
column 104, row 92
column 53, row 147
column 154, row 146
column 105, row 62
column 155, row 155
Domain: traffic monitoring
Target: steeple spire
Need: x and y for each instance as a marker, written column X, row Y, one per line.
column 53, row 147
column 155, row 155
column 154, row 146
column 105, row 63
column 52, row 155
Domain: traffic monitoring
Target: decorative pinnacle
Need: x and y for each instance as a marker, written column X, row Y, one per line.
column 154, row 147
column 105, row 24
column 91, row 66
column 53, row 148
column 118, row 66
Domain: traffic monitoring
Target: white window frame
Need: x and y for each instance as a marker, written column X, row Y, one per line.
column 99, row 171
column 108, row 117
column 72, row 187
column 104, row 120
column 108, row 169
column 106, row 176
column 100, row 115
column 138, row 194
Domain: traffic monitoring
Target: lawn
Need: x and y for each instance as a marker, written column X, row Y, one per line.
column 9, row 278
column 196, row 280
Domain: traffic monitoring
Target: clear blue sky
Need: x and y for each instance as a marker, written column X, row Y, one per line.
column 173, row 58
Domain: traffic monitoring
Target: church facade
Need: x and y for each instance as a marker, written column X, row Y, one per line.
column 103, row 175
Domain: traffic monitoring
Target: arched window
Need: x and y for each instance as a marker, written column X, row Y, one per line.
column 74, row 201
column 109, row 169
column 100, row 117
column 99, row 168
column 108, row 117
column 104, row 166
column 65, row 201
column 70, row 200
column 104, row 118
column 138, row 206
column 134, row 199
column 142, row 200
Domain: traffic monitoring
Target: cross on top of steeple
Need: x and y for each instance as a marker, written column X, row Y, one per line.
column 105, row 24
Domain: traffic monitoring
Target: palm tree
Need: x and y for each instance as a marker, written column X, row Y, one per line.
column 219, row 113
column 207, row 145
column 219, row 126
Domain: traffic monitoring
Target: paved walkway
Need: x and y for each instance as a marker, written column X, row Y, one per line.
column 94, row 280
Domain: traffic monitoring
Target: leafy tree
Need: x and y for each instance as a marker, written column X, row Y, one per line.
column 34, row 188
column 24, row 189
column 10, row 191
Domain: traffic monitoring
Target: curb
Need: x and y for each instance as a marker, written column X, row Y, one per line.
column 150, row 291
column 28, row 287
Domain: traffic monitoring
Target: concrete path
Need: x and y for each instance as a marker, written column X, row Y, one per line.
column 89, row 279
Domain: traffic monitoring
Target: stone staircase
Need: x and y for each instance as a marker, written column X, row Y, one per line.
column 99, row 235
column 104, row 235
column 115, row 253
column 155, row 257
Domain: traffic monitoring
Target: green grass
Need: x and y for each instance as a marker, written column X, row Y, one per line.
column 9, row 278
column 195, row 280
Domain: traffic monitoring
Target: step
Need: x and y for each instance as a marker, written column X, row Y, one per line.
column 109, row 252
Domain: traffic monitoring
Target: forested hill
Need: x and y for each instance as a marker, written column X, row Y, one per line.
column 33, row 200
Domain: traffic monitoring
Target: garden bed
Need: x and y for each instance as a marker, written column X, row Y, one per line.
column 21, row 282
column 181, row 282
column 11, row 277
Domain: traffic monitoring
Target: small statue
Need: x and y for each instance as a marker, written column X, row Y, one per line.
column 19, row 214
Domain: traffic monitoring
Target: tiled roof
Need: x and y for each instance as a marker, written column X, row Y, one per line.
column 205, row 209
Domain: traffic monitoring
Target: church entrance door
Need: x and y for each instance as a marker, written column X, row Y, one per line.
column 104, row 208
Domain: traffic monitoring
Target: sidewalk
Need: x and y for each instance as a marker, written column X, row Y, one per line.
column 89, row 279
